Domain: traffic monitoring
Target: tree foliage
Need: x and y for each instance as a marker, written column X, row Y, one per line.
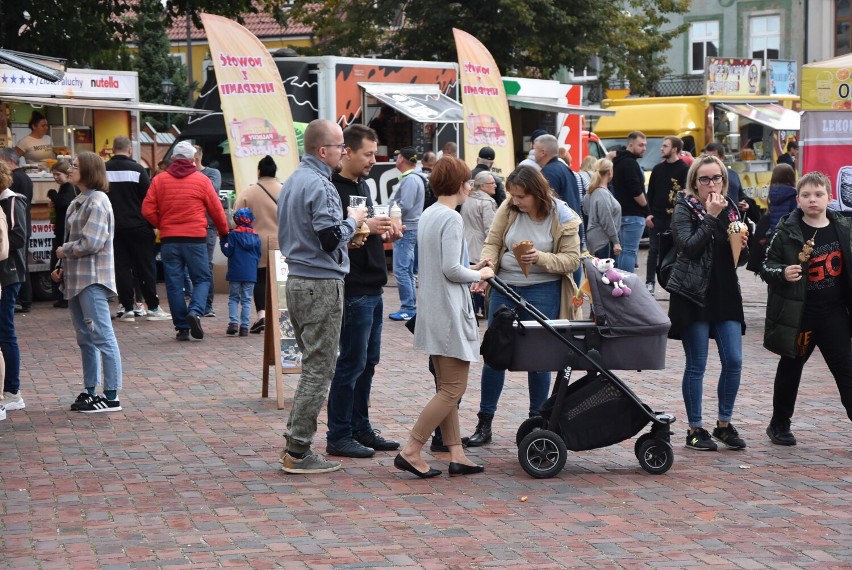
column 528, row 38
column 153, row 63
column 87, row 33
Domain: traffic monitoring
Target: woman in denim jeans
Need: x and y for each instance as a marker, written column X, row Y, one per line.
column 532, row 213
column 87, row 278
column 705, row 298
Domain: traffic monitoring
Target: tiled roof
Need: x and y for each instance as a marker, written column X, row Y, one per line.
column 261, row 25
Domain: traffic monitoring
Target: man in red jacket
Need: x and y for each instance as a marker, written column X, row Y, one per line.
column 176, row 204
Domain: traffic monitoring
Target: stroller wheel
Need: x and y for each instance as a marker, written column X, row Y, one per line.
column 528, row 426
column 542, row 454
column 642, row 439
column 656, row 456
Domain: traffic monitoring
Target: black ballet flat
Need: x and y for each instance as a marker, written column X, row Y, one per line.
column 462, row 469
column 403, row 465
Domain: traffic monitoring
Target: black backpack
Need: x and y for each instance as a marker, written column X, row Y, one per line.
column 666, row 257
column 428, row 197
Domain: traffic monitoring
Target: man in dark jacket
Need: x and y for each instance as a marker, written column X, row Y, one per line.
column 23, row 185
column 485, row 163
column 628, row 184
column 667, row 178
column 134, row 237
column 12, row 274
column 349, row 431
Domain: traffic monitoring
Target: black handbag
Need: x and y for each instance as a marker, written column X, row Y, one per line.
column 498, row 341
column 666, row 257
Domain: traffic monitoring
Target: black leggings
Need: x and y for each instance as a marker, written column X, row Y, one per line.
column 830, row 331
column 260, row 290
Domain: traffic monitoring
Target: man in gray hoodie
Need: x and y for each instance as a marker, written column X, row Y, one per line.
column 313, row 236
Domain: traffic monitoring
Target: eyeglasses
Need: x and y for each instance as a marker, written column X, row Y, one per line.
column 341, row 146
column 706, row 180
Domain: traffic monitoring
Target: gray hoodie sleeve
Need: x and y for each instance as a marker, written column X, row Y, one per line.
column 327, row 220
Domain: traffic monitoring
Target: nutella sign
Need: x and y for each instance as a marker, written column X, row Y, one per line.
column 76, row 83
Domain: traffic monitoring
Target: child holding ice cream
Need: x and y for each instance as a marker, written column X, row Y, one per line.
column 808, row 307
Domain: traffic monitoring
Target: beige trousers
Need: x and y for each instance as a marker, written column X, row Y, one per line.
column 442, row 409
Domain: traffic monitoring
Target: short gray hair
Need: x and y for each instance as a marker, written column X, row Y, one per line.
column 482, row 178
column 549, row 143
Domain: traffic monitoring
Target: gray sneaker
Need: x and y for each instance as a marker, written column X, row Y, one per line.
column 310, row 463
column 158, row 314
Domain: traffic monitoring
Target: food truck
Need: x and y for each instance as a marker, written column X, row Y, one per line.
column 409, row 103
column 753, row 128
column 86, row 110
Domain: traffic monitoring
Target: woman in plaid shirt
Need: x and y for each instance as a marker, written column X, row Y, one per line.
column 87, row 275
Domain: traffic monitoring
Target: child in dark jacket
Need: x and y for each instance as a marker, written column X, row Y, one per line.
column 242, row 248
column 806, row 267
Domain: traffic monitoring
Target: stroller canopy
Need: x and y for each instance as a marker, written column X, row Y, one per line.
column 637, row 314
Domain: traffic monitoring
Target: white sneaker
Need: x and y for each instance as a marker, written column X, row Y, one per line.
column 139, row 310
column 13, row 401
column 127, row 317
column 158, row 314
column 2, row 412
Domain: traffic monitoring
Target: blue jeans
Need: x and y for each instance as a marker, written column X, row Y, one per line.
column 729, row 341
column 403, row 270
column 360, row 348
column 545, row 297
column 212, row 243
column 178, row 259
column 8, row 339
column 629, row 235
column 90, row 316
column 239, row 302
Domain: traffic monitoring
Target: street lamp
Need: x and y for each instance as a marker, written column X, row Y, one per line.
column 168, row 89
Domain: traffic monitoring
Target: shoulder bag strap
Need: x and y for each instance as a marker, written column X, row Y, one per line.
column 267, row 193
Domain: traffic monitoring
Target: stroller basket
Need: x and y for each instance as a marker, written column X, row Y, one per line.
column 596, row 412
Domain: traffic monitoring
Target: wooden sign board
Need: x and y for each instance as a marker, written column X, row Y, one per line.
column 280, row 350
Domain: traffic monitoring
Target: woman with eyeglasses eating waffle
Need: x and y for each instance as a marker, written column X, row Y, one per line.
column 705, row 298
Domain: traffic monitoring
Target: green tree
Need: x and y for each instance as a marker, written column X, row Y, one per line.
column 529, row 38
column 86, row 33
column 153, row 63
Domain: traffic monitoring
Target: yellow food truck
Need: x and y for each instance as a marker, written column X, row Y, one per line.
column 752, row 129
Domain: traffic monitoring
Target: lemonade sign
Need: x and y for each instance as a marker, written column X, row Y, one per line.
column 828, row 85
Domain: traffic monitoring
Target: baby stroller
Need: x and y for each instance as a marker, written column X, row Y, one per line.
column 598, row 410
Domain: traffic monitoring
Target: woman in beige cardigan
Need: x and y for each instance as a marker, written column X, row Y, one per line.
column 542, row 275
column 262, row 198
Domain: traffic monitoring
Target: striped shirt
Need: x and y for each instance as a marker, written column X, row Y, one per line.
column 89, row 230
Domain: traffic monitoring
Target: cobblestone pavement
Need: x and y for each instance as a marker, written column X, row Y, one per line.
column 187, row 476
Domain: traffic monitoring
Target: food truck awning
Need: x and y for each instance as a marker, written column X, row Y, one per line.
column 101, row 104
column 556, row 106
column 423, row 103
column 773, row 116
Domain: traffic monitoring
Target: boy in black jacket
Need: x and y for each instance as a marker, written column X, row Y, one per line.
column 809, row 285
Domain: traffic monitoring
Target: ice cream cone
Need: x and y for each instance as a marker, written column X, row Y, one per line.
column 736, row 231
column 360, row 236
column 520, row 249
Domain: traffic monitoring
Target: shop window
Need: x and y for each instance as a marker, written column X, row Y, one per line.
column 704, row 42
column 842, row 27
column 765, row 37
